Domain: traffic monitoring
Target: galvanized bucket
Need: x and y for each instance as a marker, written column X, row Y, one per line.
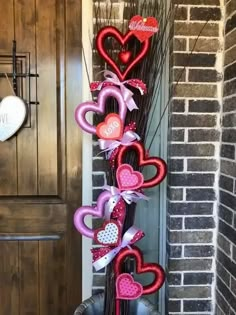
column 94, row 306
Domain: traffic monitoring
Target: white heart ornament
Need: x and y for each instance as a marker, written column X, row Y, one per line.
column 12, row 116
column 108, row 235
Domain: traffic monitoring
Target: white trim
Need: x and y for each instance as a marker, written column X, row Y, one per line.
column 87, row 31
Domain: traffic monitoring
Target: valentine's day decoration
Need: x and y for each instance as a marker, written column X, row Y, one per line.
column 127, row 288
column 117, row 138
column 12, row 116
column 143, row 28
column 111, row 31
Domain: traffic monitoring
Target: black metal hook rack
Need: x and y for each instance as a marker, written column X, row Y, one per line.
column 14, row 75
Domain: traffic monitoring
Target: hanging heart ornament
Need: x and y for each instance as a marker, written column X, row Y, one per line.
column 159, row 164
column 110, row 31
column 109, row 234
column 127, row 288
column 111, row 128
column 12, row 116
column 143, row 28
column 141, row 267
column 127, row 178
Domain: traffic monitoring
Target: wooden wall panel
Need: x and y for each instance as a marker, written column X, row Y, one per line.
column 9, row 278
column 47, row 95
column 29, row 278
column 25, row 31
column 52, row 277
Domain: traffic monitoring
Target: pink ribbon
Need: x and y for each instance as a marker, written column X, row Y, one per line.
column 104, row 255
column 128, row 195
column 112, row 79
column 111, row 145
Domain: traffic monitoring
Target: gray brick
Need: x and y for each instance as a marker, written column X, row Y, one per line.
column 190, row 208
column 176, row 135
column 191, row 179
column 224, row 306
column 174, row 278
column 202, row 165
column 204, row 44
column 175, row 223
column 98, row 280
column 205, row 14
column 195, row 90
column 176, row 165
column 180, row 13
column 98, row 180
column 190, row 264
column 175, row 193
column 200, row 306
column 199, row 251
column 226, row 183
column 228, row 200
column 199, row 2
column 229, row 104
column 193, row 29
column 229, row 88
column 228, row 151
column 199, row 223
column 100, row 165
column 181, row 120
column 190, row 292
column 226, row 292
column 231, row 24
column 175, row 251
column 192, row 150
column 229, row 135
column 194, row 60
column 207, row 194
column 200, row 135
column 222, row 273
column 204, row 106
column 226, row 214
column 186, row 237
column 198, row 278
column 178, row 106
column 227, row 231
column 230, row 70
column 204, row 75
column 229, row 120
column 174, row 306
column 228, row 168
column 180, row 44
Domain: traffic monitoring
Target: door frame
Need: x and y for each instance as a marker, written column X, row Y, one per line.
column 87, row 145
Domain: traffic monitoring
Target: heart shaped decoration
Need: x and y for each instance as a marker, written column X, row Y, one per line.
column 110, row 31
column 159, row 164
column 99, row 107
column 127, row 288
column 127, row 178
column 98, row 211
column 141, row 267
column 12, row 116
column 143, row 28
column 109, row 234
column 111, row 129
column 125, row 56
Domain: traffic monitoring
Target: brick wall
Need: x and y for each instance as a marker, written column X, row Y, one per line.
column 226, row 253
column 194, row 144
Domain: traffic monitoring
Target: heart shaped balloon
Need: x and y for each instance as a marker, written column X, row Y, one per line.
column 12, row 116
column 99, row 107
column 159, row 164
column 127, row 288
column 110, row 31
column 98, row 211
column 141, row 267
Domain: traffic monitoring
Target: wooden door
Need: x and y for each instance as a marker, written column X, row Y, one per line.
column 40, row 167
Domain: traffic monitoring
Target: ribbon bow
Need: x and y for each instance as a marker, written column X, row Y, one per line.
column 112, row 79
column 104, row 255
column 111, row 145
column 128, row 195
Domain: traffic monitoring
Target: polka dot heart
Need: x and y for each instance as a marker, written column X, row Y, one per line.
column 127, row 288
column 109, row 234
column 127, row 178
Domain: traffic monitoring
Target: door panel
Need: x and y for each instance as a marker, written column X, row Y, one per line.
column 40, row 167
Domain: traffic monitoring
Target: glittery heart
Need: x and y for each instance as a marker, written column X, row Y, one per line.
column 143, row 28
column 127, row 178
column 143, row 160
column 125, row 56
column 12, row 116
column 110, row 31
column 109, row 234
column 141, row 267
column 111, row 129
column 127, row 288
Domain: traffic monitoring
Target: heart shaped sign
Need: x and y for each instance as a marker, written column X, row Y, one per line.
column 111, row 129
column 159, row 164
column 99, row 107
column 109, row 234
column 125, row 56
column 98, row 211
column 141, row 267
column 127, row 178
column 143, row 28
column 12, row 116
column 110, row 31
column 127, row 288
